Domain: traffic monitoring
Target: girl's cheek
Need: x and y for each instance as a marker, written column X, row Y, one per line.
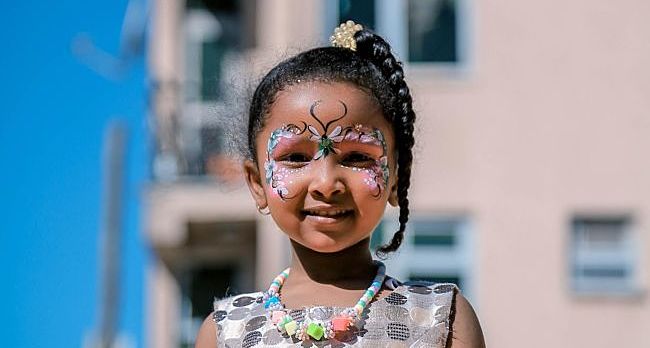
column 372, row 179
column 285, row 182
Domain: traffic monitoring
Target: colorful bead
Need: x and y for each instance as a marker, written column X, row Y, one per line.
column 302, row 330
column 341, row 323
column 271, row 301
column 291, row 327
column 286, row 319
column 277, row 316
column 315, row 331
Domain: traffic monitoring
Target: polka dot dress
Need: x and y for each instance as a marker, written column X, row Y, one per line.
column 413, row 315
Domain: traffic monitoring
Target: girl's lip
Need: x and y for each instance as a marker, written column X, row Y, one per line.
column 326, row 220
column 326, row 211
column 326, row 215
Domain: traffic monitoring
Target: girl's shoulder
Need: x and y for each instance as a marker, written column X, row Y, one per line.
column 419, row 312
column 234, row 307
column 421, row 295
column 450, row 318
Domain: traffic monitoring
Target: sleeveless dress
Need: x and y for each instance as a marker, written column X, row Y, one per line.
column 414, row 314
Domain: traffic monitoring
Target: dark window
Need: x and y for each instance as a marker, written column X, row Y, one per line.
column 432, row 31
column 360, row 11
column 235, row 33
column 435, row 232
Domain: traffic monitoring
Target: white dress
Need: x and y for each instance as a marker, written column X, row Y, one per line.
column 412, row 315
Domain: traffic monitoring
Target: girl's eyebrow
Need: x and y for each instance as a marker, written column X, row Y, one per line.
column 286, row 143
column 362, row 138
column 345, row 146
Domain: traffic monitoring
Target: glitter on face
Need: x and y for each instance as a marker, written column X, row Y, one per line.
column 374, row 175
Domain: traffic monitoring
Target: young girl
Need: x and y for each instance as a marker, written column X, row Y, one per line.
column 329, row 137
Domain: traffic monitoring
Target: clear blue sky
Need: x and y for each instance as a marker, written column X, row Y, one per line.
column 51, row 132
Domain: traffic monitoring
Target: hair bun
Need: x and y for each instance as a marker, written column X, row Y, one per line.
column 344, row 35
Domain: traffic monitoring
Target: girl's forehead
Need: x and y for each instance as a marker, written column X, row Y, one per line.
column 319, row 103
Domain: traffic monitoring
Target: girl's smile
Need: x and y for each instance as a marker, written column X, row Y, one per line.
column 324, row 219
column 326, row 154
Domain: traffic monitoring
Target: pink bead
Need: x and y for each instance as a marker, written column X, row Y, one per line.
column 341, row 323
column 277, row 316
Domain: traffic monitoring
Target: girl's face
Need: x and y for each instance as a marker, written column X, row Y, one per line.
column 326, row 165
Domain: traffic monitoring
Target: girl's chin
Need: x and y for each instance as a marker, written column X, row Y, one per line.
column 325, row 245
column 324, row 248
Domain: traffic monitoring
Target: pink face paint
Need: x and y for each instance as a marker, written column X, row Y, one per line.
column 372, row 179
column 289, row 140
column 372, row 140
column 275, row 175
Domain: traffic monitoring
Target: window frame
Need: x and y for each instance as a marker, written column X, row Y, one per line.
column 623, row 256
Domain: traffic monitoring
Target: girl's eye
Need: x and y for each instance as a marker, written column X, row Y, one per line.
column 296, row 158
column 358, row 159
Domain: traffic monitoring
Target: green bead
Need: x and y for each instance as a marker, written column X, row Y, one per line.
column 291, row 327
column 316, row 331
column 362, row 303
column 284, row 321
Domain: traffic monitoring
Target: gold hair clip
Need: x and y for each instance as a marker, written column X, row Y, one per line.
column 344, row 35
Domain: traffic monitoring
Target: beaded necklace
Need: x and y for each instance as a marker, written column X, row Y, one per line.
column 317, row 329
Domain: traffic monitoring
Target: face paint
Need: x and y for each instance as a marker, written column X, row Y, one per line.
column 275, row 176
column 326, row 141
column 375, row 176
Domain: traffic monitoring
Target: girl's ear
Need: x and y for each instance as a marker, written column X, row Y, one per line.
column 254, row 181
column 392, row 195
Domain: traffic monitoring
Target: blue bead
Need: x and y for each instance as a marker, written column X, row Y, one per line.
column 271, row 301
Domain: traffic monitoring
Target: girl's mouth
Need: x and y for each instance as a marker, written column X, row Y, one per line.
column 327, row 215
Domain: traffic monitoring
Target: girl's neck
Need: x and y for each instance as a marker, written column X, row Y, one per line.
column 351, row 268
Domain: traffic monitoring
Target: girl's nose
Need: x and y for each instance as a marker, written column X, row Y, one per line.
column 326, row 181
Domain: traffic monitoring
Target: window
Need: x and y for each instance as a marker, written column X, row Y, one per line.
column 215, row 35
column 440, row 233
column 432, row 31
column 602, row 255
column 360, row 11
column 208, row 266
column 214, row 31
column 435, row 248
column 422, row 31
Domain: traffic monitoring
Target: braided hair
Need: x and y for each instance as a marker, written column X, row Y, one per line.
column 373, row 68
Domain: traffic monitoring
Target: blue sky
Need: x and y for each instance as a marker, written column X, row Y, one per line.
column 51, row 133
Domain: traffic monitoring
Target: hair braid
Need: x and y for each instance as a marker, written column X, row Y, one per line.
column 377, row 50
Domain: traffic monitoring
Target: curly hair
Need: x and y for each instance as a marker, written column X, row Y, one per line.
column 372, row 67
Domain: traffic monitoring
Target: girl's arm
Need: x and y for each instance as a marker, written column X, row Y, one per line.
column 467, row 331
column 207, row 336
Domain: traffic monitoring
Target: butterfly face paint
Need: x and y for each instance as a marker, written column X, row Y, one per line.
column 377, row 174
column 356, row 147
column 276, row 175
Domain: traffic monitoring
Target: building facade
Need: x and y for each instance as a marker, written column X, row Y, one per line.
column 530, row 186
